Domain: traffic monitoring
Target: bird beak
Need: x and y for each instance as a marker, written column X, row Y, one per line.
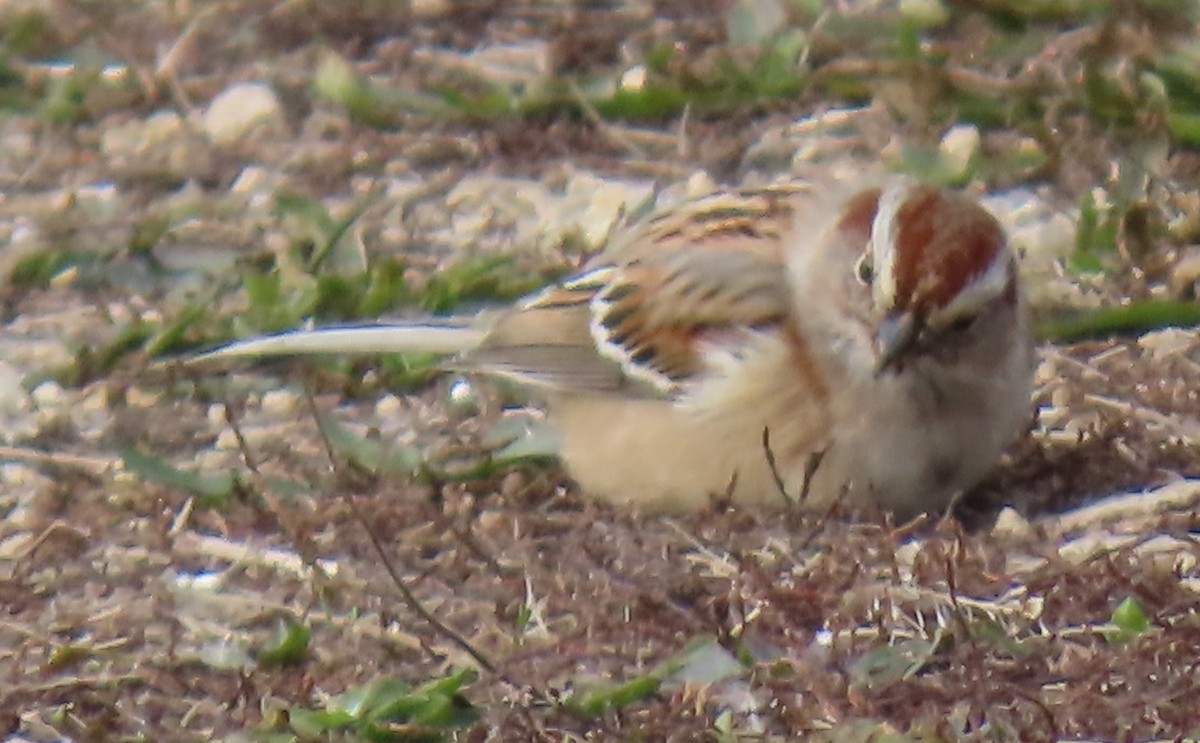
column 894, row 337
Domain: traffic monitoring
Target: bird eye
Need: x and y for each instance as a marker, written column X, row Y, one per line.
column 864, row 269
column 962, row 324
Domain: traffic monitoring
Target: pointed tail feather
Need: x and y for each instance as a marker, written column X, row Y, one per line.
column 362, row 340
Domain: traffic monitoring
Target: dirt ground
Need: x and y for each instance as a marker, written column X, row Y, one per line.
column 1059, row 601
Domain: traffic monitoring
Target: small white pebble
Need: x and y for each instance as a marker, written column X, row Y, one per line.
column 151, row 315
column 1060, row 397
column 388, row 406
column 1011, row 525
column 204, row 581
column 253, row 178
column 1047, row 371
column 959, row 147
column 634, row 78
column 96, row 400
column 226, row 441
column 64, row 278
column 280, row 402
column 216, row 414
column 1050, row 416
column 239, row 110
column 19, row 474
column 16, row 546
column 49, row 395
column 1083, row 425
column 490, row 521
column 1162, row 344
column 699, row 183
column 13, row 398
column 906, row 554
column 141, row 399
column 462, row 397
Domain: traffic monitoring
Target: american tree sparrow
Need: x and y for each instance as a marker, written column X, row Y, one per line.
column 870, row 345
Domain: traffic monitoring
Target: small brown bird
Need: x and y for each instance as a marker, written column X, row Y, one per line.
column 877, row 336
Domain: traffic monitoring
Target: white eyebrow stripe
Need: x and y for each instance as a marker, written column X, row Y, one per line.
column 883, row 242
column 979, row 290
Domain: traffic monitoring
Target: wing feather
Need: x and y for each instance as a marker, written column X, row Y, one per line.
column 667, row 289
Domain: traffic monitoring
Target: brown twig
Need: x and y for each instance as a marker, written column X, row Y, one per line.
column 410, row 599
column 774, row 467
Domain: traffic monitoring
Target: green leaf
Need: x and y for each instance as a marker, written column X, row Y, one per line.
column 171, row 337
column 371, row 455
column 1130, row 319
column 595, row 701
column 316, row 723
column 1129, row 618
column 218, row 487
column 654, row 101
column 305, row 217
column 67, row 657
column 891, row 663
column 272, row 308
column 451, row 684
column 407, row 371
column 1185, row 127
column 385, row 287
column 35, row 270
column 289, row 645
column 391, row 700
column 523, row 440
column 391, row 710
column 337, row 82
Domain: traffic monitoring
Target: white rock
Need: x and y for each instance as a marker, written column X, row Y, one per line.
column 49, row 395
column 227, row 440
column 141, row 399
column 138, row 136
column 388, row 406
column 216, row 414
column 16, row 546
column 1163, row 344
column 96, row 400
column 959, row 147
column 239, row 110
column 634, row 78
column 64, row 278
column 255, row 180
column 16, row 474
column 280, row 402
column 600, row 202
column 1012, row 526
column 13, row 398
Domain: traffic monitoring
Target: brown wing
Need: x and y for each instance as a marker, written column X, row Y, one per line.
column 705, row 271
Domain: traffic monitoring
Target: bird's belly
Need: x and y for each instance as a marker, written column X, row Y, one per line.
column 659, row 456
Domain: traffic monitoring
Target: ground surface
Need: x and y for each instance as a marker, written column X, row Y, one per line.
column 189, row 556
